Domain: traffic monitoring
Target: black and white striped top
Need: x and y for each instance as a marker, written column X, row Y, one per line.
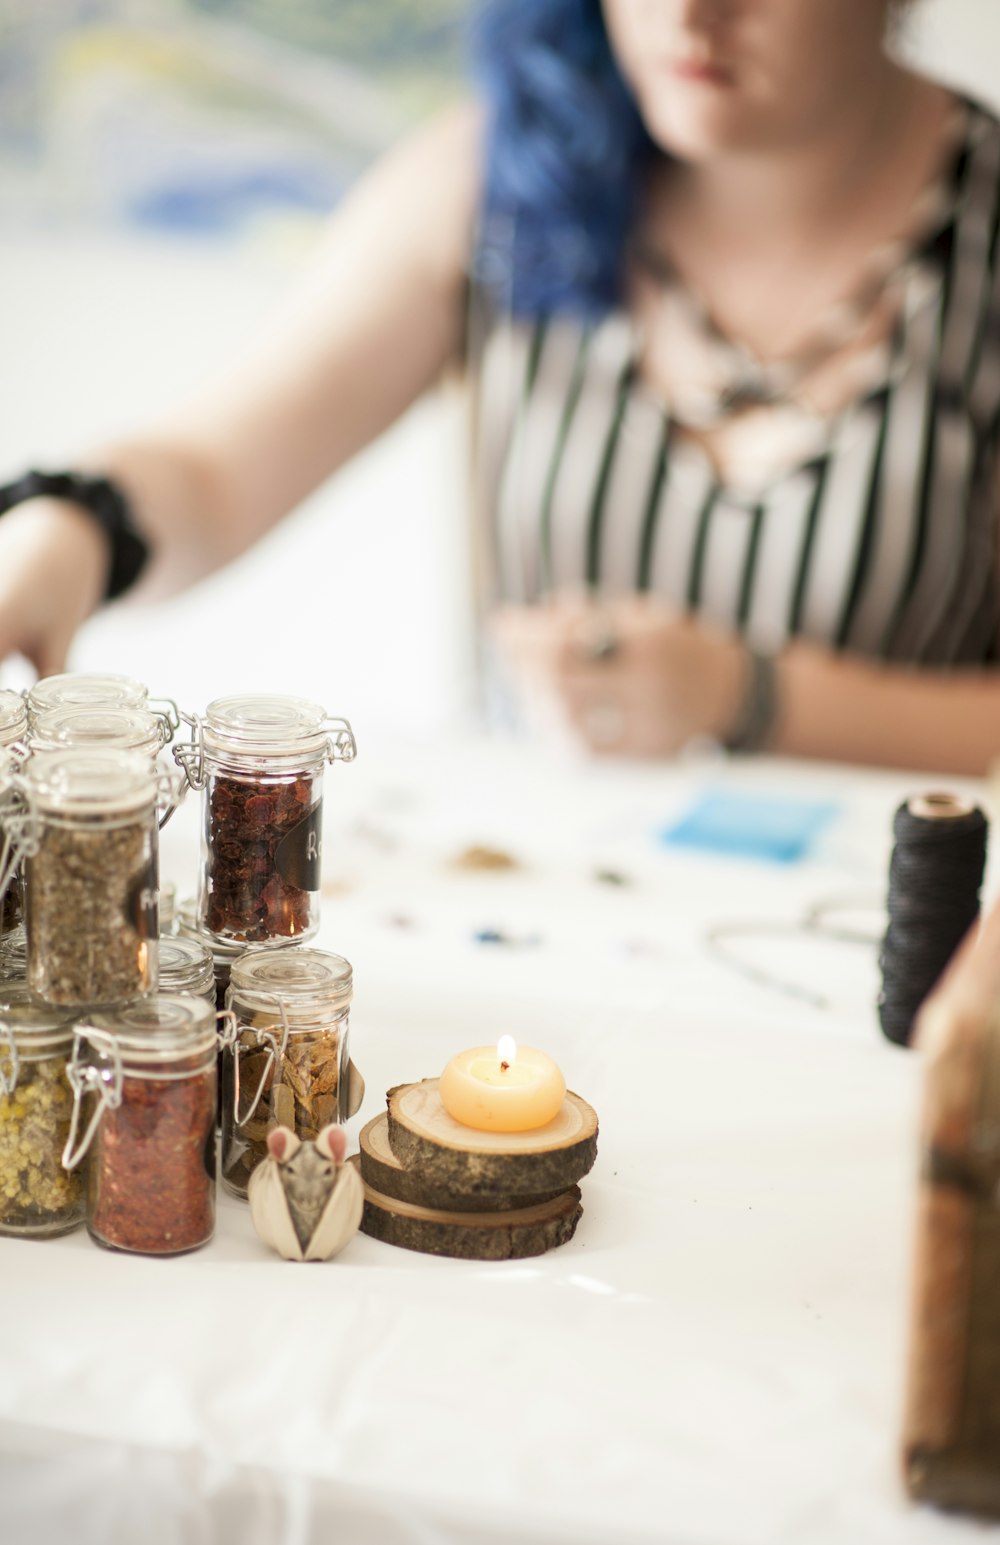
column 884, row 543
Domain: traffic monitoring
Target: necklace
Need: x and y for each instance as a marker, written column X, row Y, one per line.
column 719, row 378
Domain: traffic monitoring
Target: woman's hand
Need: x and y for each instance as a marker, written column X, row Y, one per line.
column 53, row 569
column 632, row 677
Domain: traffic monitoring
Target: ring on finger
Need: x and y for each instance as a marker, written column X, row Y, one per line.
column 601, row 642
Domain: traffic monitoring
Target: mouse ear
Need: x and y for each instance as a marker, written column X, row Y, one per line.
column 282, row 1144
column 332, row 1142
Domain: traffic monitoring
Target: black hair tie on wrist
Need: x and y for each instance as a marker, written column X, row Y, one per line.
column 105, row 502
column 757, row 714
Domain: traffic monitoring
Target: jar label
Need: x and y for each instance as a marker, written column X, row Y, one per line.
column 297, row 856
column 142, row 902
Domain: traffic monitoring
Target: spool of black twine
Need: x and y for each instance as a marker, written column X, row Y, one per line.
column 934, row 879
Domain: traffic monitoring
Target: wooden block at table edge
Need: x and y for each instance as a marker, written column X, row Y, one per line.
column 471, row 1236
column 951, row 1424
column 382, row 1171
column 452, row 1157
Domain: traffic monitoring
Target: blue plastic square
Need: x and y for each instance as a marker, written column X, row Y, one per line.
column 763, row 826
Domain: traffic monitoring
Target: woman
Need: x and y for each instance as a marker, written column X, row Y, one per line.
column 791, row 536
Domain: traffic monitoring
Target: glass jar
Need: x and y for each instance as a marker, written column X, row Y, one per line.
column 186, row 967
column 260, row 762
column 90, row 875
column 222, row 953
column 38, row 1197
column 287, row 1063
column 144, row 1082
column 13, row 728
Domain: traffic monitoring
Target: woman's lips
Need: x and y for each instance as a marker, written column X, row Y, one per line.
column 703, row 70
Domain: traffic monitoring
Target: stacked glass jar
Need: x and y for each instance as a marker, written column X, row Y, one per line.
column 85, row 806
column 38, row 1196
column 260, row 761
column 144, row 1081
column 126, row 1041
column 287, row 1064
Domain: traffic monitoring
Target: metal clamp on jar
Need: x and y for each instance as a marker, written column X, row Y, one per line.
column 144, row 1079
column 86, row 822
column 260, row 762
column 287, row 1064
column 38, row 1197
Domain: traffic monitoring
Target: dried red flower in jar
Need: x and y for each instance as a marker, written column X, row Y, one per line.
column 145, row 1076
column 261, row 762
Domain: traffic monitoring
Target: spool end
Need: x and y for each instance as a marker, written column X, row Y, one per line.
column 938, row 806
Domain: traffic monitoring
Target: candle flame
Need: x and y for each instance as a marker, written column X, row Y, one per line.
column 506, row 1050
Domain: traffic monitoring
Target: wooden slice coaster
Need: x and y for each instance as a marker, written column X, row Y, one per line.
column 381, row 1170
column 459, row 1159
column 471, row 1236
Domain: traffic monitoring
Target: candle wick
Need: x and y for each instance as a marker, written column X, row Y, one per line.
column 504, row 1066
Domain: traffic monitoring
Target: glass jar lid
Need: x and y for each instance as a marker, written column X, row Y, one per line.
column 185, row 966
column 255, row 725
column 38, row 1030
column 13, row 717
column 122, row 729
column 77, row 689
column 159, row 1030
column 85, row 780
column 304, row 982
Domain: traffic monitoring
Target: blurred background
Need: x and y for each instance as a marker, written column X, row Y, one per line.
column 164, row 167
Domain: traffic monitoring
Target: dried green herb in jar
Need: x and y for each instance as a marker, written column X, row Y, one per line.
column 91, row 883
column 37, row 1195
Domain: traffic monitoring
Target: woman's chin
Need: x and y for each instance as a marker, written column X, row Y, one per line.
column 698, row 131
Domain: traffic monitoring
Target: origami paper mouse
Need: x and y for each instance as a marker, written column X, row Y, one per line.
column 305, row 1202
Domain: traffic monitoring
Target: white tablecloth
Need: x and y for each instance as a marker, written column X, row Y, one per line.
column 715, row 1359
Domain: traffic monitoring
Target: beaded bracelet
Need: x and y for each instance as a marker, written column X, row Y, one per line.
column 105, row 502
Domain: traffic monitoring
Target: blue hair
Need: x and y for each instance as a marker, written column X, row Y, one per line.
column 565, row 145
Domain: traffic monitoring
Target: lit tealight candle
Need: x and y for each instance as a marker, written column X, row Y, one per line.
column 503, row 1089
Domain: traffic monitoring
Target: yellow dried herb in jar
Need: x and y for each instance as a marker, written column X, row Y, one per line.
column 38, row 1196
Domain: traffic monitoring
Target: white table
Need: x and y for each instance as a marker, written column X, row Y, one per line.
column 715, row 1359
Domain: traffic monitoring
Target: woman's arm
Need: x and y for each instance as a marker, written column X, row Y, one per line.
column 635, row 679
column 842, row 708
column 374, row 322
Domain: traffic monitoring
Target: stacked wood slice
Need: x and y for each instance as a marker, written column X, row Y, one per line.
column 436, row 1186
